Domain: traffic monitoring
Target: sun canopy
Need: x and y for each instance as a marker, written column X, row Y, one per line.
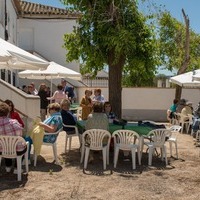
column 13, row 57
column 196, row 75
column 53, row 71
column 187, row 79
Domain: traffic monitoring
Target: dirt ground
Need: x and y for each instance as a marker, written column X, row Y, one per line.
column 180, row 180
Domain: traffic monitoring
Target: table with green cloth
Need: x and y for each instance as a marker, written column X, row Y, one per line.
column 74, row 106
column 141, row 130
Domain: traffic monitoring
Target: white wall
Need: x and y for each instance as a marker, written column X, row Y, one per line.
column 11, row 24
column 27, row 104
column 137, row 103
column 2, row 18
column 148, row 103
column 46, row 38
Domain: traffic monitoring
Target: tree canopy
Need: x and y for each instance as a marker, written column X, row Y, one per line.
column 179, row 45
column 112, row 33
column 172, row 37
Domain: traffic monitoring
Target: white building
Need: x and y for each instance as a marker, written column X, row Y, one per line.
column 38, row 29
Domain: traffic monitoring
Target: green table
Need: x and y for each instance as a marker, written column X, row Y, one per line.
column 74, row 106
column 141, row 130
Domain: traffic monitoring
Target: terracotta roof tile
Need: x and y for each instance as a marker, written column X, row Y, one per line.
column 35, row 10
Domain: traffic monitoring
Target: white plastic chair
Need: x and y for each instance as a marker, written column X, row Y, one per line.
column 175, row 120
column 70, row 136
column 190, row 123
column 197, row 136
column 54, row 146
column 173, row 139
column 96, row 140
column 127, row 140
column 8, row 145
column 157, row 140
column 183, row 121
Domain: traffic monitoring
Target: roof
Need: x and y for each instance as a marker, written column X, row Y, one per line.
column 100, row 74
column 27, row 9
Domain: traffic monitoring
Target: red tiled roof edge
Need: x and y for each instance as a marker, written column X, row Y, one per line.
column 34, row 10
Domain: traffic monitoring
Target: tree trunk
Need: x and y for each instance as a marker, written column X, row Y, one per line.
column 186, row 60
column 178, row 92
column 115, row 84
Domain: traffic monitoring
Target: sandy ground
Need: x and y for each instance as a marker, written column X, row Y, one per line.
column 179, row 180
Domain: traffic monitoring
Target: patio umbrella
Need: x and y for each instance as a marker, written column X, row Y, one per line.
column 13, row 57
column 53, row 71
column 196, row 75
column 187, row 79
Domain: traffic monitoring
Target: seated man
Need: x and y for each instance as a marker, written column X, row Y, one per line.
column 67, row 117
column 10, row 127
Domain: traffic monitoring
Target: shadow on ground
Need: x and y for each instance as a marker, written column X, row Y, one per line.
column 124, row 164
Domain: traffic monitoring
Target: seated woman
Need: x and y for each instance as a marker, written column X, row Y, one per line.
column 98, row 96
column 108, row 111
column 52, row 124
column 67, row 117
column 12, row 113
column 97, row 119
column 10, row 127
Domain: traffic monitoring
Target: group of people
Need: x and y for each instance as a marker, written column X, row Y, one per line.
column 63, row 92
column 88, row 101
column 185, row 108
column 58, row 113
column 11, row 124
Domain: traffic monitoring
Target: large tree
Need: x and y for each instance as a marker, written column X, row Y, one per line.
column 179, row 45
column 111, row 33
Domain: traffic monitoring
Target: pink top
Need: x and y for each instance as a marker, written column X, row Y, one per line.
column 58, row 96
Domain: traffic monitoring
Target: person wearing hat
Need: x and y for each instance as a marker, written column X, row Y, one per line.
column 180, row 105
column 187, row 109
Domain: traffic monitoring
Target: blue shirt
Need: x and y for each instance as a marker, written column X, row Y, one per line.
column 173, row 107
column 54, row 119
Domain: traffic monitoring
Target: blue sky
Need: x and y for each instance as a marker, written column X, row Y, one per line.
column 191, row 8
